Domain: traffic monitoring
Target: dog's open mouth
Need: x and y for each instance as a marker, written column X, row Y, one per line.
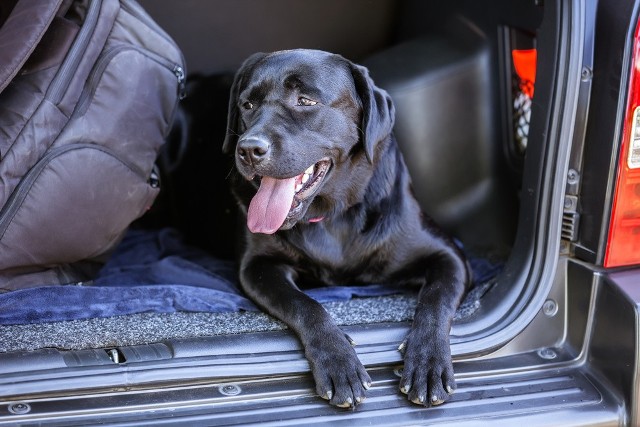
column 279, row 200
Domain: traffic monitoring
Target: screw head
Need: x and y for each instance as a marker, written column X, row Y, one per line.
column 19, row 408
column 550, row 308
column 573, row 176
column 229, row 389
column 547, row 353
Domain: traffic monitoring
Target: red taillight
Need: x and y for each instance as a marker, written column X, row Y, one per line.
column 623, row 244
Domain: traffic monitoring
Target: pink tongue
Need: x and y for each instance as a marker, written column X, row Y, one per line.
column 271, row 204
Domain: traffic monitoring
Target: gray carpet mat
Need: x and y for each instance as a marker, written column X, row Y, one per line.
column 147, row 328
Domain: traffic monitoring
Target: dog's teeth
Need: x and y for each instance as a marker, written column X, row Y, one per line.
column 305, row 178
column 310, row 169
column 298, row 187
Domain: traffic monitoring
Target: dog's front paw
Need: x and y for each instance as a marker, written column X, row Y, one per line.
column 340, row 377
column 427, row 377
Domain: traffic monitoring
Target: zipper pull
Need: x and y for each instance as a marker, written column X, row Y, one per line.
column 179, row 72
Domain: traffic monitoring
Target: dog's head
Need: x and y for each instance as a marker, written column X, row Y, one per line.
column 303, row 126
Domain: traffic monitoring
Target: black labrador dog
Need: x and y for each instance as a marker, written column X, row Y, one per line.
column 328, row 201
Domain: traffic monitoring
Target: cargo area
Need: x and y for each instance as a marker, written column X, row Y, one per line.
column 475, row 88
column 461, row 123
column 452, row 73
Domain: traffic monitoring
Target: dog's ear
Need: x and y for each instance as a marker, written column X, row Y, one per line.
column 239, row 81
column 378, row 111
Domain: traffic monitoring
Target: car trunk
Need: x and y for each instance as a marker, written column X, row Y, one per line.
column 487, row 162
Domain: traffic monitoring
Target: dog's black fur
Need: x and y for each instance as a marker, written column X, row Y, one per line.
column 358, row 224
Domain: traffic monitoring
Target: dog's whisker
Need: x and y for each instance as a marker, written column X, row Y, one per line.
column 232, row 131
column 230, row 173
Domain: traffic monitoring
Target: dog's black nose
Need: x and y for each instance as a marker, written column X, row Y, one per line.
column 252, row 150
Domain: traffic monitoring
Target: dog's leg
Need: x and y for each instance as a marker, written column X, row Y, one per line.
column 338, row 373
column 427, row 376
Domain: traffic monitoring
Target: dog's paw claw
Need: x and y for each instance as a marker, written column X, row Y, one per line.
column 419, row 400
column 345, row 404
column 436, row 401
column 327, row 395
column 351, row 341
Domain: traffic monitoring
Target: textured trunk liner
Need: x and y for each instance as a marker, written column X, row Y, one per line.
column 145, row 328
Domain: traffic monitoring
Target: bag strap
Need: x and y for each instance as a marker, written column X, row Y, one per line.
column 21, row 33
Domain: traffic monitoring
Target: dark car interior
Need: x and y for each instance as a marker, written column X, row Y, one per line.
column 472, row 136
column 452, row 72
column 449, row 69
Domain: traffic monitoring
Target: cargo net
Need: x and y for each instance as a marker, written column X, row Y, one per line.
column 524, row 63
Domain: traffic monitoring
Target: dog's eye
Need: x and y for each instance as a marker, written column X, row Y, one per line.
column 247, row 105
column 306, row 102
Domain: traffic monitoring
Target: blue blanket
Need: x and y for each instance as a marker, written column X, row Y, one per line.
column 155, row 271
